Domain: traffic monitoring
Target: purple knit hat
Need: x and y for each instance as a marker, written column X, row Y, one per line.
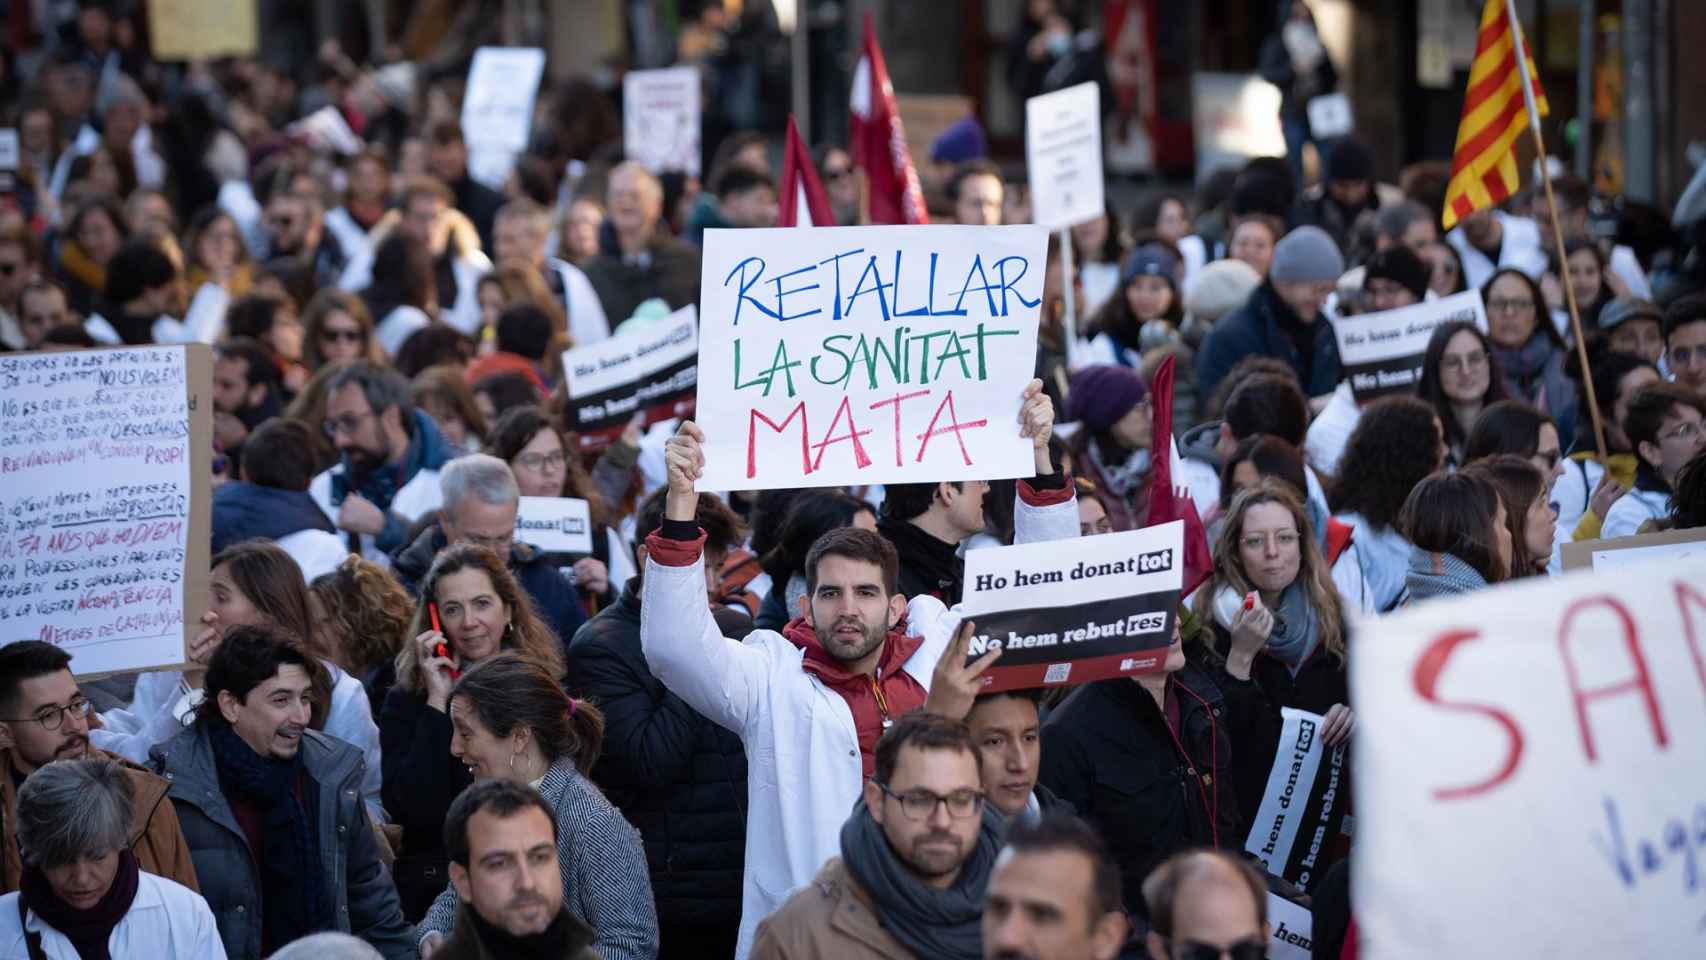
column 1103, row 393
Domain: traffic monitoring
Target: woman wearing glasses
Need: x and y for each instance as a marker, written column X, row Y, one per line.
column 1529, row 351
column 1459, row 380
column 512, row 721
column 1273, row 632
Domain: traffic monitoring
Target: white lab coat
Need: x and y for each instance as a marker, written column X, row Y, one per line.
column 166, row 919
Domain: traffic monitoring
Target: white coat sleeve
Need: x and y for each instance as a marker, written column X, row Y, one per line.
column 721, row 678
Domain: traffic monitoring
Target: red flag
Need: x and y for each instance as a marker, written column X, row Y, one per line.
column 804, row 202
column 878, row 141
column 1167, row 502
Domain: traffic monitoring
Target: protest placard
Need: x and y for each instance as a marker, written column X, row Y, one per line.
column 859, row 355
column 555, row 524
column 650, row 370
column 202, row 29
column 1291, row 929
column 104, row 502
column 1063, row 156
column 1382, row 353
column 1297, row 825
column 1602, row 555
column 9, row 148
column 1106, row 607
column 497, row 109
column 660, row 119
column 1529, row 769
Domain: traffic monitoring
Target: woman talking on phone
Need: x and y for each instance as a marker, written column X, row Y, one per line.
column 471, row 607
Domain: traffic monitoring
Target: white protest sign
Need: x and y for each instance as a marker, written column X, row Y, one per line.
column 9, row 149
column 660, row 119
column 1382, row 353
column 1060, row 613
column 650, row 369
column 860, row 355
column 1292, row 929
column 1330, row 116
column 1531, row 770
column 1298, row 822
column 105, row 502
column 497, row 108
column 1063, row 155
column 554, row 524
column 1674, row 546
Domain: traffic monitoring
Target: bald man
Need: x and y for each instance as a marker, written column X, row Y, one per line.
column 646, row 261
column 1207, row 900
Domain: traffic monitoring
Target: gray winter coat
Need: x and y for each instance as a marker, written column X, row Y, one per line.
column 356, row 882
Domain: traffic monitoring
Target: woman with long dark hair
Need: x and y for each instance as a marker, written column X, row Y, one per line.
column 1459, row 379
column 403, row 296
column 511, row 720
column 1528, row 515
column 1461, row 540
column 1144, row 313
column 1397, row 442
column 1530, row 353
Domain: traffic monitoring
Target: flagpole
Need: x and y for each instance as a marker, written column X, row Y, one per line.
column 1521, row 46
column 1069, row 317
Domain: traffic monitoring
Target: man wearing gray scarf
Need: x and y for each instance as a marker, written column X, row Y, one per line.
column 916, row 856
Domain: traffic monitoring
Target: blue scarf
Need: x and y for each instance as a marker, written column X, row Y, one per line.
column 1439, row 575
column 428, row 450
column 293, row 897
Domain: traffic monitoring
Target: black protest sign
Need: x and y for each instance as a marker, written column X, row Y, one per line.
column 653, row 370
column 1382, row 353
column 1303, row 808
column 1067, row 613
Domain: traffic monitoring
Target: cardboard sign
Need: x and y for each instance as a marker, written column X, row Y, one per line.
column 1531, row 770
column 860, row 355
column 1105, row 607
column 650, row 370
column 1674, row 546
column 1291, row 929
column 1063, row 154
column 202, row 29
column 497, row 109
column 555, row 524
column 1298, row 821
column 105, row 502
column 660, row 119
column 1382, row 353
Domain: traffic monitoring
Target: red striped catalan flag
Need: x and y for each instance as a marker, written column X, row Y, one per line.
column 1483, row 166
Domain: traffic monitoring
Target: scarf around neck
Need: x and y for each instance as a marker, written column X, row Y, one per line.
column 1123, row 478
column 565, row 937
column 929, row 922
column 293, row 898
column 1526, row 368
column 1440, row 575
column 1297, row 629
column 88, row 930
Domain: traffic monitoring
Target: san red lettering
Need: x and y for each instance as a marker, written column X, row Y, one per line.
column 1429, row 666
column 1641, row 682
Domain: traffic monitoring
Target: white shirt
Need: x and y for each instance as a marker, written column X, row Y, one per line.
column 1519, row 248
column 166, row 919
column 1332, row 429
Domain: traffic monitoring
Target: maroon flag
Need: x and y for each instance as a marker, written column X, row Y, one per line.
column 878, row 140
column 804, row 202
column 1168, row 502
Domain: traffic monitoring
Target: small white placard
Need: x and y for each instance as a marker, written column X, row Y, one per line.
column 555, row 524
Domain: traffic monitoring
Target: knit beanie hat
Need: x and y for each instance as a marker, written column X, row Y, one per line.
column 1398, row 264
column 1624, row 309
column 963, row 140
column 1348, row 159
column 1220, row 288
column 1306, row 255
column 1102, row 393
column 1150, row 260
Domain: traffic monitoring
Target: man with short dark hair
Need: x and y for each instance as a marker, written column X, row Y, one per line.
column 1206, row 903
column 674, row 766
column 390, row 455
column 42, row 307
column 246, row 388
column 502, row 841
column 747, row 198
column 1262, row 403
column 272, row 810
column 813, row 699
column 1007, row 730
column 269, row 499
column 1685, row 341
column 975, row 190
column 141, row 287
column 1054, row 895
column 915, row 858
column 44, row 717
column 1666, row 426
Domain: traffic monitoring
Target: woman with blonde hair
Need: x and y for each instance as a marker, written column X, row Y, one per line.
column 360, row 612
column 470, row 608
column 1272, row 631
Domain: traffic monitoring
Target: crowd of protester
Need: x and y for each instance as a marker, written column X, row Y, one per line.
column 746, row 724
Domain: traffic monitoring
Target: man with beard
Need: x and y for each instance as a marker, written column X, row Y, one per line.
column 502, row 839
column 43, row 718
column 1054, row 895
column 810, row 702
column 272, row 810
column 246, row 388
column 915, row 858
column 390, row 454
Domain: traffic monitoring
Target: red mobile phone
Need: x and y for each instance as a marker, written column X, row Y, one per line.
column 442, row 650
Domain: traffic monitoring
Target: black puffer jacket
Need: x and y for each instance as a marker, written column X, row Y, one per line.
column 1109, row 752
column 679, row 778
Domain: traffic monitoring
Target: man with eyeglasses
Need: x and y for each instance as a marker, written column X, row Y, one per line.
column 916, row 856
column 1207, row 905
column 480, row 501
column 390, row 455
column 1666, row 425
column 1685, row 341
column 43, row 718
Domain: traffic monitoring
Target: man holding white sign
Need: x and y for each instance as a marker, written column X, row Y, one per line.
column 810, row 702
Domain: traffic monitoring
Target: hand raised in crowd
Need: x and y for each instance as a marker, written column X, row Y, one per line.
column 1338, row 726
column 202, row 648
column 591, row 573
column 955, row 683
column 435, row 670
column 1251, row 626
column 1605, row 493
column 1036, row 421
column 359, row 515
column 685, row 462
